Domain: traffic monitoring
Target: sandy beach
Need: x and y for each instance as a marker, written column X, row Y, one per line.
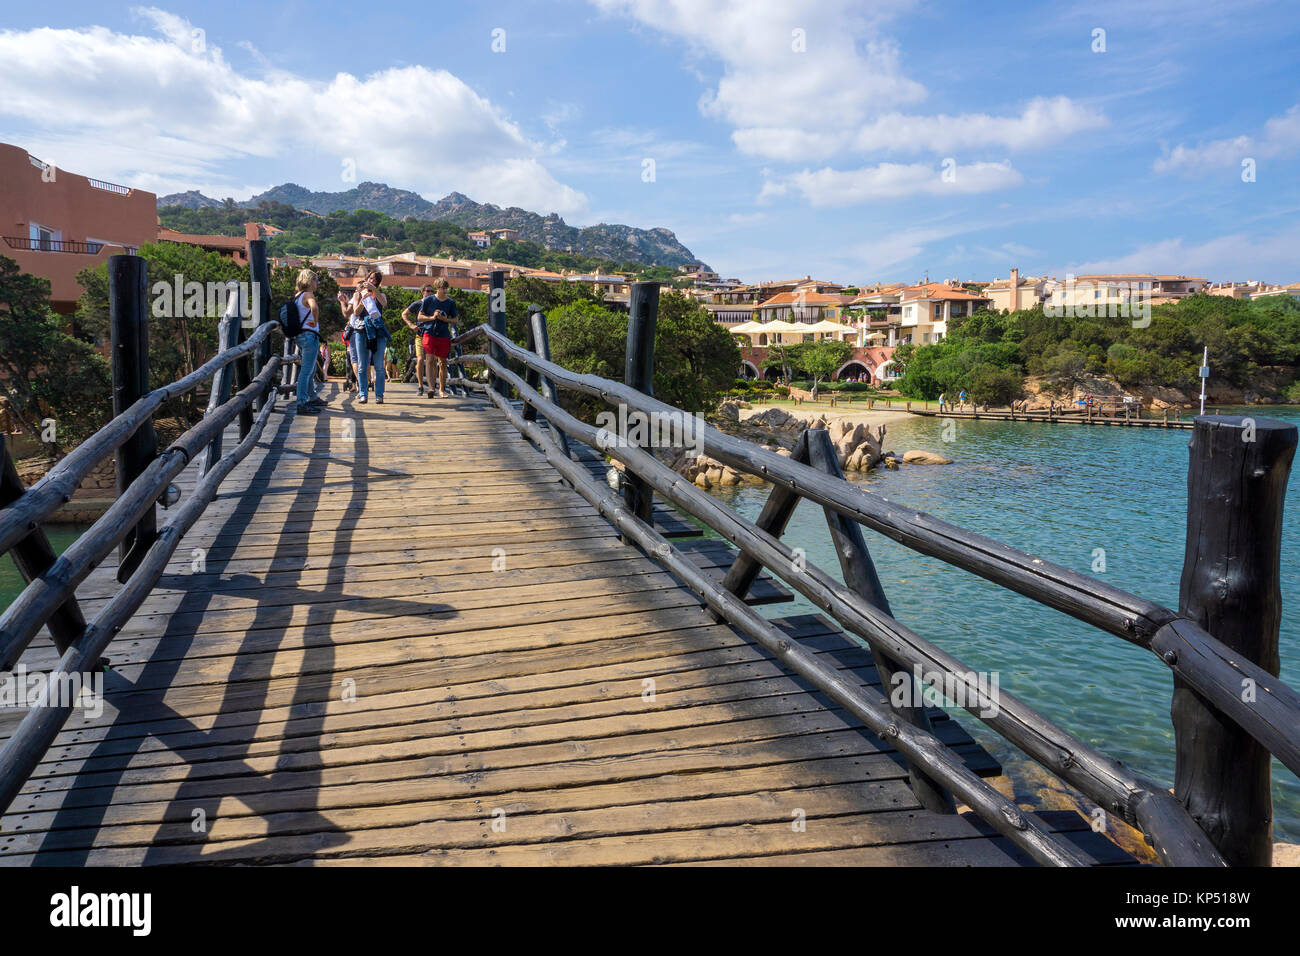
column 809, row 413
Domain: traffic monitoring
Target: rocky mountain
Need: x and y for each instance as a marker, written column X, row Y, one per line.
column 606, row 241
column 190, row 200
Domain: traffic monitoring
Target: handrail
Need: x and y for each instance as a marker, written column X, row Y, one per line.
column 46, row 496
column 52, row 582
column 1197, row 659
column 918, row 745
column 1099, row 777
column 1211, row 667
column 24, row 617
column 36, row 732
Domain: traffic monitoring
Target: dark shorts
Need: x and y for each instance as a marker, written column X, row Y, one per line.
column 437, row 345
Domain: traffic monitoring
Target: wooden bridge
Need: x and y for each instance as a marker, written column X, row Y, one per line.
column 434, row 631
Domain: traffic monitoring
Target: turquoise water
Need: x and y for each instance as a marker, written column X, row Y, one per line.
column 1058, row 493
column 11, row 582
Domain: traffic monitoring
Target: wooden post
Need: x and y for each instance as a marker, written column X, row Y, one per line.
column 1236, row 486
column 531, row 378
column 861, row 578
column 227, row 337
column 259, row 271
column 638, row 373
column 539, row 341
column 497, row 319
column 773, row 518
column 128, row 316
column 33, row 556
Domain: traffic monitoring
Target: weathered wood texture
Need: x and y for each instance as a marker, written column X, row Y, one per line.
column 1231, row 586
column 397, row 637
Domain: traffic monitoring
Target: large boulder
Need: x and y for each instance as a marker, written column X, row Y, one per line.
column 918, row 457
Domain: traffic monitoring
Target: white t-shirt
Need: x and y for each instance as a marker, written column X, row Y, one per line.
column 309, row 323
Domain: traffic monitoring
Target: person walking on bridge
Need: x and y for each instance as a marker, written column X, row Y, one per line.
column 367, row 304
column 441, row 311
column 308, row 341
column 418, row 330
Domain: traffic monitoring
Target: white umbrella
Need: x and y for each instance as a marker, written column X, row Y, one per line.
column 827, row 327
column 746, row 328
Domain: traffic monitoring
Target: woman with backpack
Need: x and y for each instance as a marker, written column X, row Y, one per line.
column 308, row 340
column 365, row 309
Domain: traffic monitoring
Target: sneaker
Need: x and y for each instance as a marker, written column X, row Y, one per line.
column 432, row 394
column 364, row 399
column 420, row 391
column 308, row 410
column 379, row 399
column 318, row 402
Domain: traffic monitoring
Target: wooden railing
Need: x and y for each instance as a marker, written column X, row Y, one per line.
column 1230, row 710
column 144, row 479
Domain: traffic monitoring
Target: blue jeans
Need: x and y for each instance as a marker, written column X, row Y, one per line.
column 308, row 347
column 364, row 358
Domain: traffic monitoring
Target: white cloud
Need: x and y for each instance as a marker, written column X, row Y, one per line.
column 1245, row 255
column 834, row 187
column 842, row 93
column 1280, row 137
column 1043, row 122
column 770, row 89
column 189, row 113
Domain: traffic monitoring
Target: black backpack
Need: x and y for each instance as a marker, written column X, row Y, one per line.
column 290, row 319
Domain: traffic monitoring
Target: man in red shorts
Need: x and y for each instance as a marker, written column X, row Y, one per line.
column 426, row 291
column 437, row 314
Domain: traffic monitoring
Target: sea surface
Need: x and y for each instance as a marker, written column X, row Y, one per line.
column 1065, row 494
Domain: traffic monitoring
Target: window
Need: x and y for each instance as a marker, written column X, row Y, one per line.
column 43, row 237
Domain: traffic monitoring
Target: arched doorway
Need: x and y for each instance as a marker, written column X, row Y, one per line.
column 748, row 369
column 852, row 370
column 772, row 374
column 886, row 372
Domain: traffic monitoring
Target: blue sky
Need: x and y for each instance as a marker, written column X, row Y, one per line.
column 853, row 141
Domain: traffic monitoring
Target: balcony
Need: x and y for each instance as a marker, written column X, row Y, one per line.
column 59, row 245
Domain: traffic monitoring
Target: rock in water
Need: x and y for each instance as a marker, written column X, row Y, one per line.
column 918, row 457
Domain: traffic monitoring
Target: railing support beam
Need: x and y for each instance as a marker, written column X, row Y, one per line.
column 227, row 338
column 775, row 515
column 33, row 556
column 128, row 316
column 639, row 373
column 539, row 341
column 497, row 321
column 259, row 273
column 860, row 577
column 1236, row 486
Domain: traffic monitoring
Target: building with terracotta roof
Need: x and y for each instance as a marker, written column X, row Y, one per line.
column 1292, row 290
column 926, row 309
column 234, row 246
column 1017, row 291
column 800, row 305
column 57, row 223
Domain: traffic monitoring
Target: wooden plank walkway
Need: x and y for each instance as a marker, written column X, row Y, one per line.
column 396, row 637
